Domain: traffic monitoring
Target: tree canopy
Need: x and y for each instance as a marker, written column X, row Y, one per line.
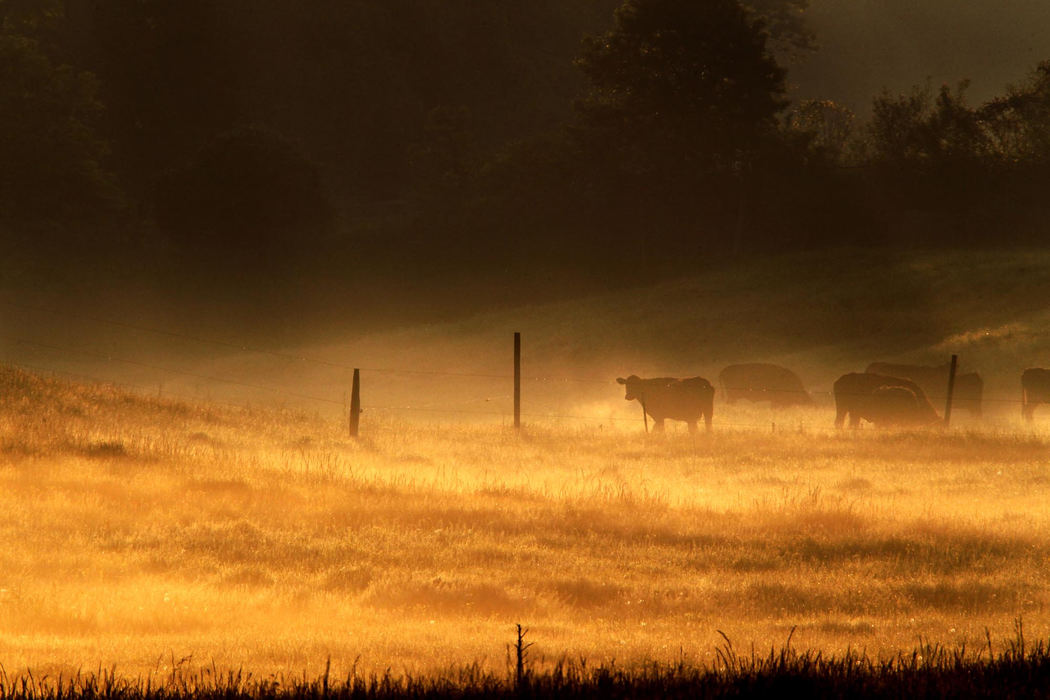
column 52, row 154
column 1019, row 122
column 414, row 129
column 681, row 84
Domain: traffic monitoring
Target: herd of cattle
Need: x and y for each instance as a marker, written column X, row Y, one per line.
column 885, row 394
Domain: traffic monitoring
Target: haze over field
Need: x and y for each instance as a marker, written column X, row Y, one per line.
column 212, row 212
column 821, row 314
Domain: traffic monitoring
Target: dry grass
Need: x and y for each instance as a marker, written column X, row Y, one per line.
column 138, row 532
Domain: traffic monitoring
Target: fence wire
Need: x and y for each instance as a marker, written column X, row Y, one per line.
column 443, row 406
column 244, row 348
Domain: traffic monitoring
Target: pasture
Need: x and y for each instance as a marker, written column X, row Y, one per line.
column 146, row 533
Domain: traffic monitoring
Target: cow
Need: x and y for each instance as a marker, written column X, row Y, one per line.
column 882, row 400
column 758, row 381
column 678, row 399
column 967, row 394
column 1035, row 389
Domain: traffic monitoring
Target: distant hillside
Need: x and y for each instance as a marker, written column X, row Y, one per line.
column 821, row 314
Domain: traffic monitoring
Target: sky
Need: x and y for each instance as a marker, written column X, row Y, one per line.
column 865, row 45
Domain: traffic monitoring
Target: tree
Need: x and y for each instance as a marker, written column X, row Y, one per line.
column 918, row 131
column 165, row 77
column 1019, row 122
column 789, row 34
column 826, row 128
column 248, row 203
column 53, row 158
column 681, row 86
column 29, row 18
column 933, row 175
column 897, row 132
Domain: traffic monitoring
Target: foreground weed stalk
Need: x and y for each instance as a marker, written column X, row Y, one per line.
column 521, row 653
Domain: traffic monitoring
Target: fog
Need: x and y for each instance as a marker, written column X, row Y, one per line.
column 866, row 46
column 822, row 315
column 212, row 213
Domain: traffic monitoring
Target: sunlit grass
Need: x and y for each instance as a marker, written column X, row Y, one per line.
column 138, row 531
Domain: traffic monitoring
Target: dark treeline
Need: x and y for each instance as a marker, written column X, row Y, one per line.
column 265, row 149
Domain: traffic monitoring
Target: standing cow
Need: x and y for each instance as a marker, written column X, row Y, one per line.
column 678, row 399
column 758, row 381
column 885, row 401
column 967, row 394
column 1035, row 389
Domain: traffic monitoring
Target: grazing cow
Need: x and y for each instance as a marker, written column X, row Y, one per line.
column 758, row 381
column 677, row 399
column 881, row 400
column 967, row 394
column 1035, row 389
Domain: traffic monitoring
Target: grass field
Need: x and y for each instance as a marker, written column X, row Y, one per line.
column 145, row 533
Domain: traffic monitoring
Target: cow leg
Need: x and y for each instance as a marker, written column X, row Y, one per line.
column 1028, row 411
column 707, row 421
column 854, row 421
column 692, row 426
column 658, row 425
column 840, row 417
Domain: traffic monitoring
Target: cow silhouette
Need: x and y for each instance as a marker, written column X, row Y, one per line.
column 881, row 400
column 1035, row 389
column 678, row 399
column 759, row 381
column 967, row 394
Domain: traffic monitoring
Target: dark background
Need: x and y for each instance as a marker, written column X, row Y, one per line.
column 277, row 163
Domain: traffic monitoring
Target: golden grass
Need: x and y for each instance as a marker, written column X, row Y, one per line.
column 142, row 532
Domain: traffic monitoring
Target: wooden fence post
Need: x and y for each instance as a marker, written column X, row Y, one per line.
column 951, row 390
column 517, row 381
column 355, row 404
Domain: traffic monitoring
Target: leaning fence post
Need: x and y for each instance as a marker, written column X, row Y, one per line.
column 517, row 381
column 355, row 404
column 951, row 390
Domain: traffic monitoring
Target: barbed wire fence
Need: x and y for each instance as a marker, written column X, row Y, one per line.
column 473, row 407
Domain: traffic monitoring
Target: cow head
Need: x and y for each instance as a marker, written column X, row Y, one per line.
column 634, row 386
